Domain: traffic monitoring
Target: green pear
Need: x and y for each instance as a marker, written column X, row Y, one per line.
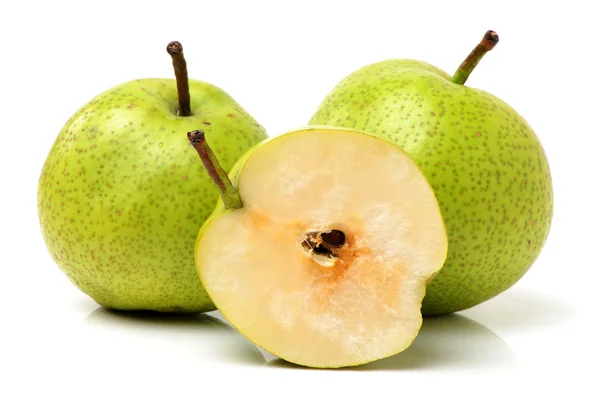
column 485, row 163
column 121, row 197
column 305, row 263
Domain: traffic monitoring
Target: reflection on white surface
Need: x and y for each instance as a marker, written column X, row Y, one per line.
column 453, row 342
column 447, row 342
column 521, row 310
column 193, row 336
column 267, row 356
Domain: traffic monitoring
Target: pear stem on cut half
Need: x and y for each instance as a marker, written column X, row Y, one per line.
column 488, row 42
column 229, row 194
column 175, row 49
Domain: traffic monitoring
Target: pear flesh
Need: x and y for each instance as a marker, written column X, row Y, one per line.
column 326, row 263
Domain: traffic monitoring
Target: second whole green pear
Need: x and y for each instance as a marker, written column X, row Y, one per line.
column 487, row 167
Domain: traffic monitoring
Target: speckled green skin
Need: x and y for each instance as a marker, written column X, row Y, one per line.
column 122, row 194
column 487, row 168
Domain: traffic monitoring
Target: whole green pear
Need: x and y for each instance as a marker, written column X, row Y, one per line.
column 487, row 167
column 122, row 197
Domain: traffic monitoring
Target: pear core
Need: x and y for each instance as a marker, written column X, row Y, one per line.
column 326, row 263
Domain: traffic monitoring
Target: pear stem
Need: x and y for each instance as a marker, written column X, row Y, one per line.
column 175, row 49
column 488, row 42
column 229, row 194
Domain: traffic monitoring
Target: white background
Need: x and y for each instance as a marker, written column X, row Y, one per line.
column 536, row 343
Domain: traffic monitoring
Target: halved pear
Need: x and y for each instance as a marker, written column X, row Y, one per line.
column 324, row 262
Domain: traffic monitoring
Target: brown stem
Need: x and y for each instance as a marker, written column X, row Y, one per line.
column 488, row 42
column 229, row 194
column 183, row 88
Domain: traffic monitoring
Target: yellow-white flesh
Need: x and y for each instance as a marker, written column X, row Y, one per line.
column 363, row 306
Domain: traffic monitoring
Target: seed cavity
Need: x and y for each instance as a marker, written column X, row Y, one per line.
column 322, row 249
column 335, row 238
column 323, row 246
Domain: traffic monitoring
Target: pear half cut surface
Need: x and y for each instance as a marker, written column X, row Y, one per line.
column 326, row 262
